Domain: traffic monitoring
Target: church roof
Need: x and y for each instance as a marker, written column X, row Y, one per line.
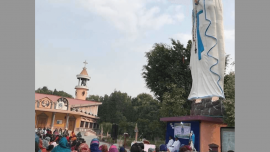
column 84, row 72
column 70, row 100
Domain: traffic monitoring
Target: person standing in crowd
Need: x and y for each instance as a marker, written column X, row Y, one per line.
column 41, row 131
column 44, row 132
column 170, row 142
column 72, row 134
column 56, row 132
column 94, row 145
column 65, row 132
column 62, row 147
column 60, row 132
column 38, row 131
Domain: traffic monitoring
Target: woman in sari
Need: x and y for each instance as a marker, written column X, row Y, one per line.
column 62, row 147
column 113, row 148
column 94, row 145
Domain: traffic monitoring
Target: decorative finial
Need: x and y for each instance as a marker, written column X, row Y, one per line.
column 85, row 63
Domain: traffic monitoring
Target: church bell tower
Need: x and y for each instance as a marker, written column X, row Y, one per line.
column 81, row 88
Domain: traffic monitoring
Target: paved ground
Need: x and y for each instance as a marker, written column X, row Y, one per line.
column 88, row 139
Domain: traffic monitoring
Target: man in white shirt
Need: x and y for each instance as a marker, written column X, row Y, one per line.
column 170, row 142
column 175, row 146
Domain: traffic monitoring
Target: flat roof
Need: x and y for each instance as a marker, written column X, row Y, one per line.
column 193, row 118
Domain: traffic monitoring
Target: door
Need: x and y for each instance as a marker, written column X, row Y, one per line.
column 42, row 122
column 71, row 125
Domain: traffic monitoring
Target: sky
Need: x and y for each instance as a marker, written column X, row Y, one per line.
column 112, row 36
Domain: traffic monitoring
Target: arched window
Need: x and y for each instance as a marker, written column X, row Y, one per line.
column 62, row 104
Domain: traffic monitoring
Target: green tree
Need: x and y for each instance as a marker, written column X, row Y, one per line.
column 45, row 90
column 168, row 65
column 174, row 103
column 229, row 91
column 94, row 98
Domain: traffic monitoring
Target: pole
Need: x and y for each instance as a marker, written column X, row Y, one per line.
column 125, row 142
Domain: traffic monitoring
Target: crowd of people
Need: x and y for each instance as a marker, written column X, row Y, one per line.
column 61, row 141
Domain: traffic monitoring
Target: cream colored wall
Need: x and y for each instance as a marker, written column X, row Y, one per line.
column 60, row 116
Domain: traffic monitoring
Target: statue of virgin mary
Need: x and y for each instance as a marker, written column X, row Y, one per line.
column 207, row 62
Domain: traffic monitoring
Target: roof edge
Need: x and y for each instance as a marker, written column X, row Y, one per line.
column 193, row 118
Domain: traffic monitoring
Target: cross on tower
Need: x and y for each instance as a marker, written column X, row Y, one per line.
column 85, row 63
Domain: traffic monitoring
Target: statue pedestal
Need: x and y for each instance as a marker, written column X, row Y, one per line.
column 207, row 108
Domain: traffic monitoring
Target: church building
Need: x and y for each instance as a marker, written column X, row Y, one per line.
column 76, row 115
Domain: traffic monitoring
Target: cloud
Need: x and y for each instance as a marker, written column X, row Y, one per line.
column 182, row 37
column 229, row 34
column 132, row 17
column 233, row 15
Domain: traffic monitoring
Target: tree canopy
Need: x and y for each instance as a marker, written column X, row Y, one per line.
column 166, row 66
column 45, row 90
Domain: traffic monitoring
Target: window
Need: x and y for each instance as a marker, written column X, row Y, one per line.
column 82, row 123
column 59, row 122
column 86, row 124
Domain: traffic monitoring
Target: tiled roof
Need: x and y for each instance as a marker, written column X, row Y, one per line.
column 70, row 100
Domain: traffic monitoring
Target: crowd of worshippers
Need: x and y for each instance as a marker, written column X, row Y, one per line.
column 61, row 143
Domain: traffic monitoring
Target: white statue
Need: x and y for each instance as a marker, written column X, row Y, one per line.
column 207, row 62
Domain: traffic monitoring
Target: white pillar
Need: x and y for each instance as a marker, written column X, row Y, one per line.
column 97, row 110
column 79, row 82
column 53, row 117
column 67, row 119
